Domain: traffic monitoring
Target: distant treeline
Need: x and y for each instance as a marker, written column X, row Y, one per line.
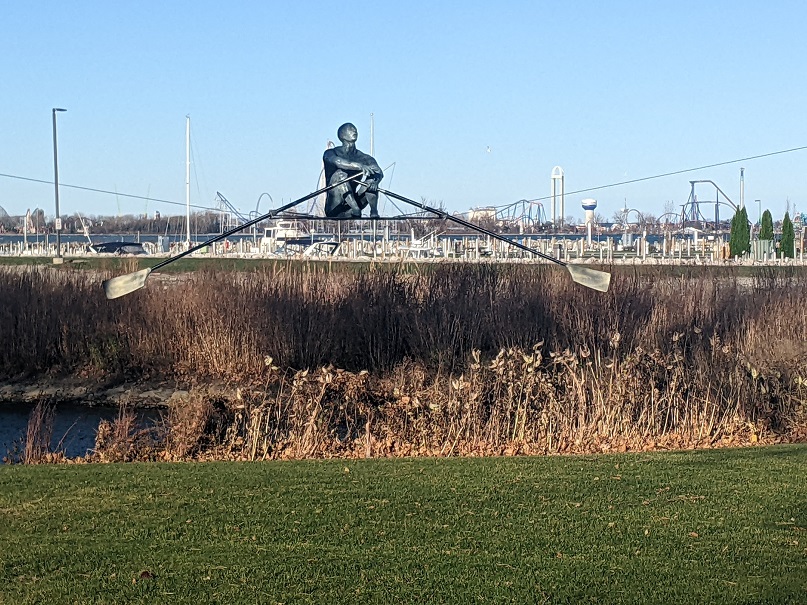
column 201, row 222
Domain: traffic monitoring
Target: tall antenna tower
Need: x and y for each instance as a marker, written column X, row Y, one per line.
column 557, row 195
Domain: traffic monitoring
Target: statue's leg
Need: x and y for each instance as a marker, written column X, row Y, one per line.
column 350, row 200
column 335, row 203
column 372, row 201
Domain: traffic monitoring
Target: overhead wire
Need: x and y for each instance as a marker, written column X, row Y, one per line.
column 104, row 191
column 538, row 199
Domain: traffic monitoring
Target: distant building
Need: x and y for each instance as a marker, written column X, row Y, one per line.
column 482, row 214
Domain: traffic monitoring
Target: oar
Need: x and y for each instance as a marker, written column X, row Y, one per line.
column 591, row 278
column 125, row 284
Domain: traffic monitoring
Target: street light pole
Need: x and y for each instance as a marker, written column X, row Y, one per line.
column 759, row 212
column 58, row 222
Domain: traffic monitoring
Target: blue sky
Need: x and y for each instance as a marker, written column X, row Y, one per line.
column 608, row 91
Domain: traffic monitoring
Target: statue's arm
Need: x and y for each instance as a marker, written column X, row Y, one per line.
column 372, row 166
column 332, row 158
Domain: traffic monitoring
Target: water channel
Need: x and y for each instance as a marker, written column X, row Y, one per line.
column 74, row 426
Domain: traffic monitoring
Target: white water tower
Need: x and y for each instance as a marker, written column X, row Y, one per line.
column 589, row 205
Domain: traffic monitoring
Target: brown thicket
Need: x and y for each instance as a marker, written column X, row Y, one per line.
column 451, row 359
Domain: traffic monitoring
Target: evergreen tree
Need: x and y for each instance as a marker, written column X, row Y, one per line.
column 788, row 237
column 766, row 227
column 746, row 242
column 740, row 238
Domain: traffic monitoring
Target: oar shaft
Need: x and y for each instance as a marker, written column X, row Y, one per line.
column 469, row 225
column 247, row 225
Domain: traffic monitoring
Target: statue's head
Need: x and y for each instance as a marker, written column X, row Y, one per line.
column 347, row 133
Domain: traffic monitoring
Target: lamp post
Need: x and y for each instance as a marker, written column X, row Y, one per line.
column 759, row 212
column 58, row 223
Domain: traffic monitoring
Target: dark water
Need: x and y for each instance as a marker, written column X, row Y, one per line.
column 74, row 426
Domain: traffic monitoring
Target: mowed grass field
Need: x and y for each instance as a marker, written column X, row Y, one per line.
column 719, row 526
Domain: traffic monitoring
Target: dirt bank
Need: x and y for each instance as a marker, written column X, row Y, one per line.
column 94, row 392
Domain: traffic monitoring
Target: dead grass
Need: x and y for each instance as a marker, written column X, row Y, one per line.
column 39, row 433
column 455, row 360
column 124, row 440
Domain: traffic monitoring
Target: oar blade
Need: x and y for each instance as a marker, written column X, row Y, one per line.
column 122, row 285
column 591, row 278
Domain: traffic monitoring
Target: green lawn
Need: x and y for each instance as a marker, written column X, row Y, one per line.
column 725, row 526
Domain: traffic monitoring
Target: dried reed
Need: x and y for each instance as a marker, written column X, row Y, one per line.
column 443, row 361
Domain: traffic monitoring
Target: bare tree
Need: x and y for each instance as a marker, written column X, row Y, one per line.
column 670, row 207
column 620, row 216
column 422, row 228
column 647, row 219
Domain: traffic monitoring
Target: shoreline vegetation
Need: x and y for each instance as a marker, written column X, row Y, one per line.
column 312, row 360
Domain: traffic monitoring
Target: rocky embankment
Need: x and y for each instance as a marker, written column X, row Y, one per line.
column 140, row 394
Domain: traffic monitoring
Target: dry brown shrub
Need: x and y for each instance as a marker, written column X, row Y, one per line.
column 518, row 402
column 123, row 439
column 196, row 422
column 39, row 433
column 187, row 420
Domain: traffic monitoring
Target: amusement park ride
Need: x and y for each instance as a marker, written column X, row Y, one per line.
column 530, row 215
column 691, row 215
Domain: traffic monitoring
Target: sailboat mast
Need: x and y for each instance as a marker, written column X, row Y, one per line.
column 188, row 176
column 372, row 135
